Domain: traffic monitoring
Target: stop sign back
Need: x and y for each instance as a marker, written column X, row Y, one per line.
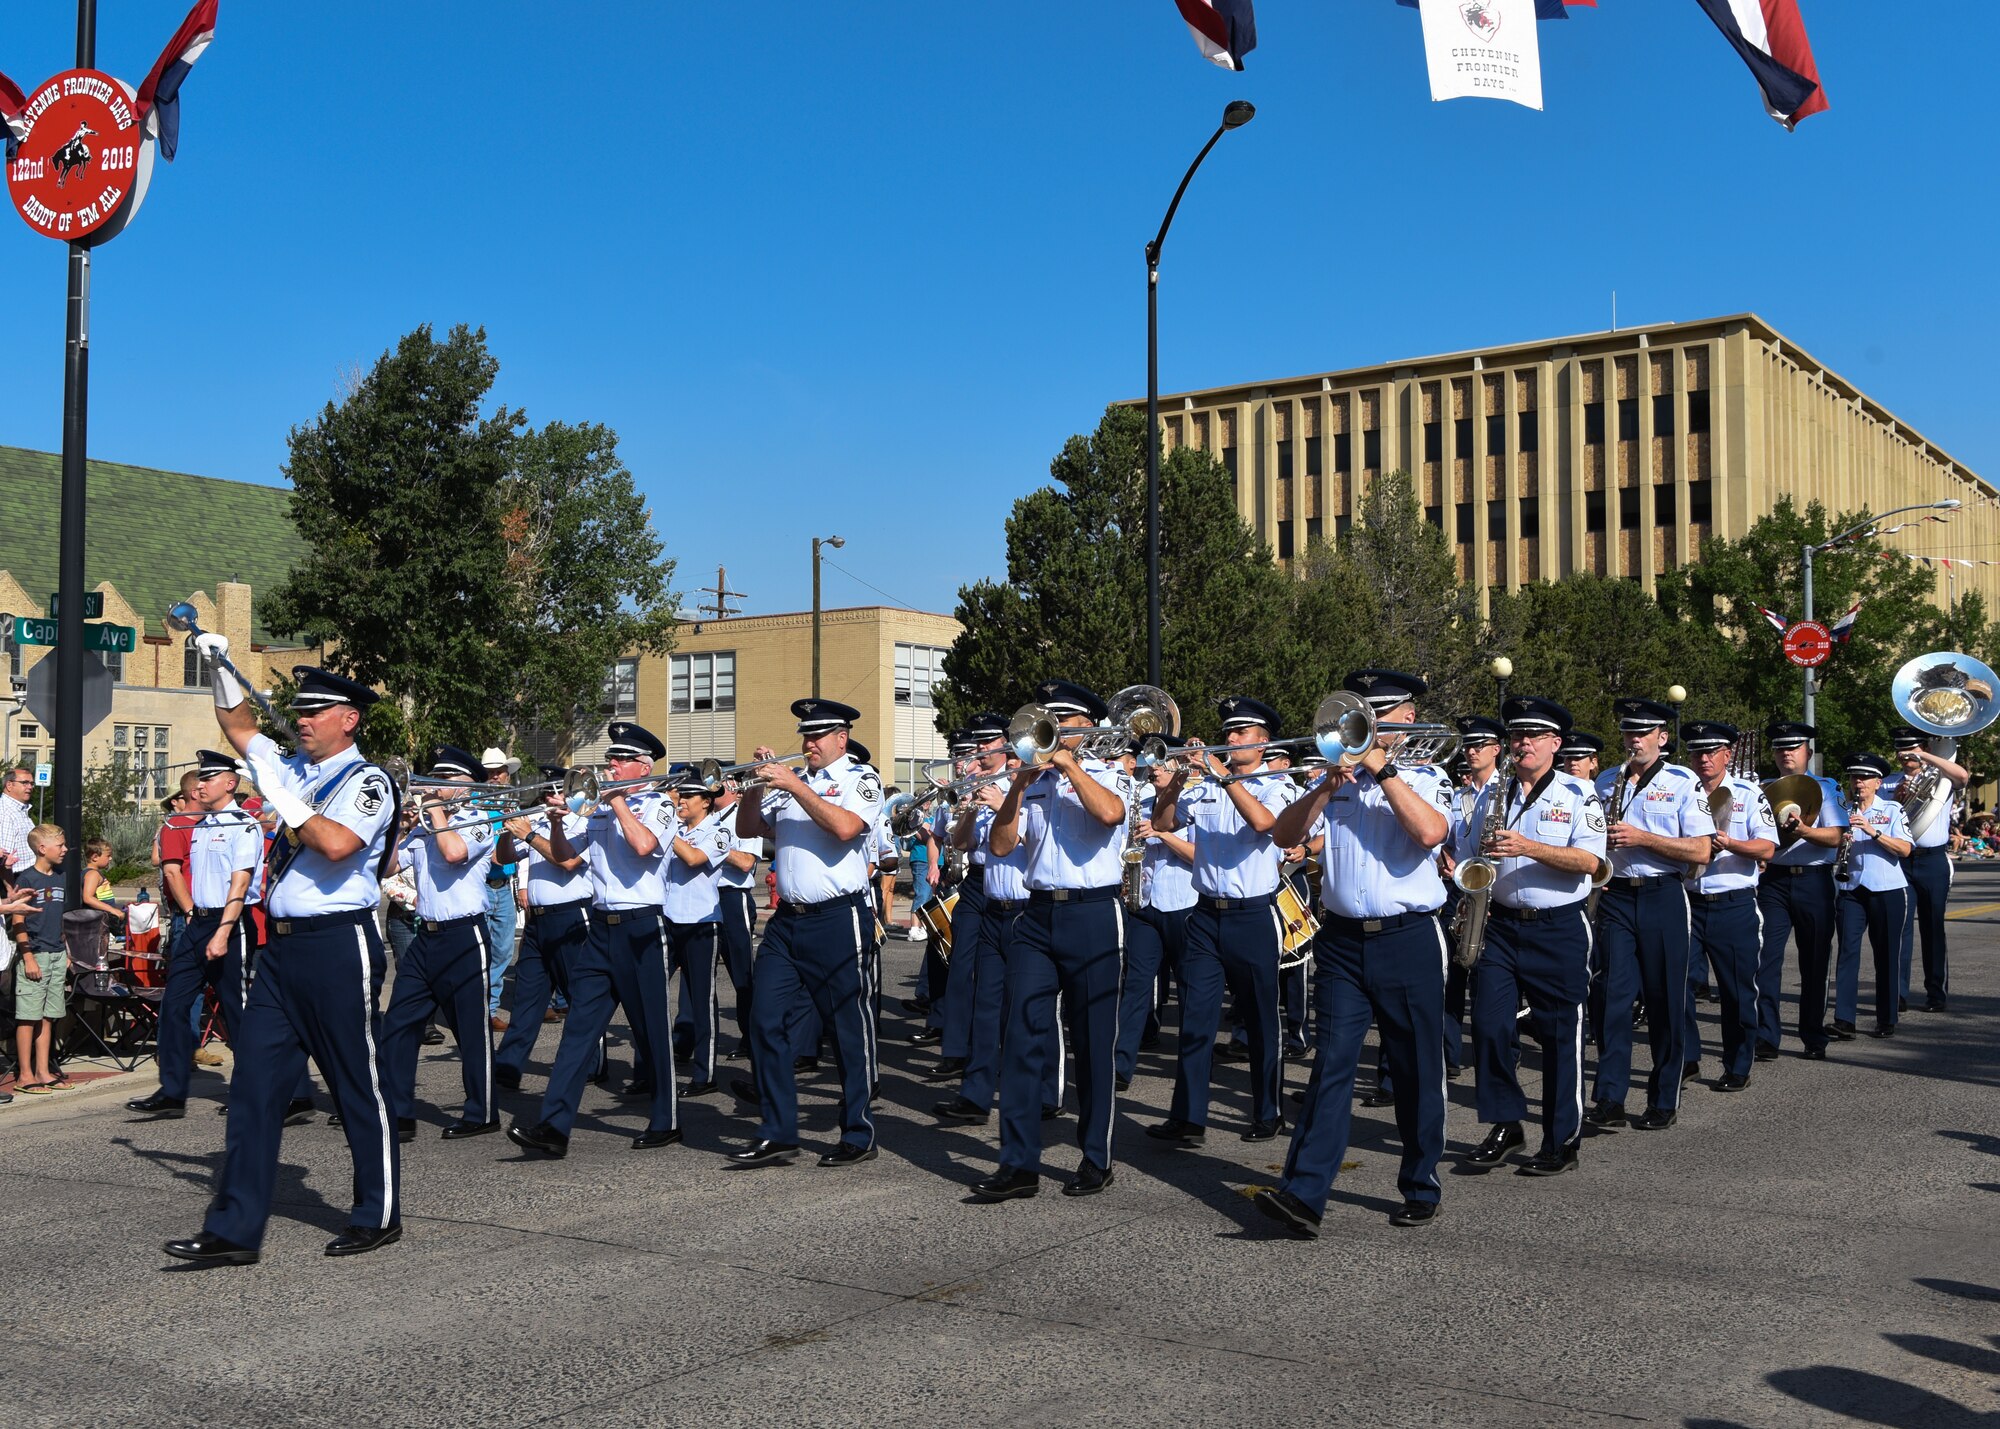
column 82, row 169
column 1808, row 643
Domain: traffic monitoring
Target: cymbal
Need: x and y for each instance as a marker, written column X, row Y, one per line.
column 1800, row 792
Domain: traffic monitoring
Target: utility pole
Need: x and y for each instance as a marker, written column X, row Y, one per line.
column 718, row 609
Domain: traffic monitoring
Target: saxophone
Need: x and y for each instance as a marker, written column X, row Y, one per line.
column 1476, row 876
column 1132, row 877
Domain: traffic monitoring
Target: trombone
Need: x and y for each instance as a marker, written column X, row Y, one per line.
column 1136, row 715
column 1345, row 728
column 596, row 790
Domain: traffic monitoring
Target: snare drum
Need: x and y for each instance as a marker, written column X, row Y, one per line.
column 1298, row 924
column 936, row 916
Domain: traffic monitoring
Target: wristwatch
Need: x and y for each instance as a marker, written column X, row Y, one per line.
column 1388, row 771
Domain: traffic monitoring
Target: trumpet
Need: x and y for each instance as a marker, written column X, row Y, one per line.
column 706, row 770
column 574, row 804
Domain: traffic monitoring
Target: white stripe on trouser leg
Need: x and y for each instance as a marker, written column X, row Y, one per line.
column 1062, row 1053
column 485, row 1027
column 1444, row 1091
column 382, row 1116
column 1583, row 1012
column 673, row 1072
column 1277, row 1007
column 867, row 1027
column 714, row 1004
column 242, row 967
column 1110, row 1093
column 1680, row 1019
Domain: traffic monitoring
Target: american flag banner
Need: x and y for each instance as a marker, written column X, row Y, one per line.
column 1842, row 629
column 1224, row 30
column 1770, row 35
column 159, row 101
column 12, row 102
column 1779, row 623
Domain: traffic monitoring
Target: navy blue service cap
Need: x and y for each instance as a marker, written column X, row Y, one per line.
column 858, row 752
column 632, row 741
column 553, row 771
column 321, row 689
column 214, row 761
column 1578, row 744
column 1384, row 689
column 1789, row 734
column 688, row 780
column 1636, row 716
column 1702, row 735
column 448, row 760
column 1868, row 766
column 1531, row 714
column 818, row 716
column 960, row 741
column 1241, row 712
column 1064, row 698
column 986, row 726
column 1909, row 737
column 1478, row 729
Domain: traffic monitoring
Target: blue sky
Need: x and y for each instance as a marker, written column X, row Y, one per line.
column 861, row 269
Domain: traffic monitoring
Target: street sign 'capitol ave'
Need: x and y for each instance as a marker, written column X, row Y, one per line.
column 83, row 168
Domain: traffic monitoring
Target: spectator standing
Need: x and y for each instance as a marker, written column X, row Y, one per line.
column 502, row 917
column 44, row 966
column 15, row 821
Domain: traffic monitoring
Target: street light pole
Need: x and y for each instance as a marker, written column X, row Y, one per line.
column 818, row 541
column 1235, row 115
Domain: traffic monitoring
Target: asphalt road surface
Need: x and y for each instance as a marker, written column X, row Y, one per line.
column 1818, row 1249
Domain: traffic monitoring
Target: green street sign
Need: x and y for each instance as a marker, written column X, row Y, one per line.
column 33, row 630
column 93, row 605
column 114, row 639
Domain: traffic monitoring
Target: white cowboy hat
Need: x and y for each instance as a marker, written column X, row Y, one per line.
column 494, row 759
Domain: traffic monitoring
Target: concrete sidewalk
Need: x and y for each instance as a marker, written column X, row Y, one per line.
column 1817, row 1249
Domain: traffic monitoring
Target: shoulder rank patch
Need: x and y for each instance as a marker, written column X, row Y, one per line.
column 373, row 793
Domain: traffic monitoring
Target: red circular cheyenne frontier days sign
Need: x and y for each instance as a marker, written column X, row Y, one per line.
column 1808, row 643
column 81, row 160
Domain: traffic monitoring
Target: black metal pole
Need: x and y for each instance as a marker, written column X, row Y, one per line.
column 70, row 574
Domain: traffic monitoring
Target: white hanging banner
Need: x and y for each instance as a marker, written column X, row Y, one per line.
column 1483, row 49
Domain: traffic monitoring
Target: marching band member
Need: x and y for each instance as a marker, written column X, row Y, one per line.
column 1928, row 867
column 623, row 960
column 319, row 981
column 934, row 972
column 444, row 971
column 1071, row 814
column 1579, row 755
column 558, row 924
column 692, row 901
column 1156, row 936
column 1380, row 954
column 1234, row 935
column 1875, row 894
column 1796, row 894
column 816, row 943
column 736, row 887
column 985, row 747
column 1537, row 947
column 1659, row 827
column 1479, row 739
column 1294, row 982
column 1726, row 927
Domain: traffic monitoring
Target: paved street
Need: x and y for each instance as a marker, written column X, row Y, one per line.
column 1820, row 1246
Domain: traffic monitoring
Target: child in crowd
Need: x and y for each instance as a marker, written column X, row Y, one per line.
column 44, row 966
column 96, row 887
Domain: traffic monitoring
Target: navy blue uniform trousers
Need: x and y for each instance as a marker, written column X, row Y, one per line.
column 317, row 994
column 1070, row 952
column 1929, row 872
column 1643, row 937
column 623, row 962
column 739, row 925
column 1393, row 977
column 1155, row 945
column 443, row 974
column 1726, row 937
column 1882, row 916
column 541, row 969
column 694, row 951
column 1795, row 899
column 1543, row 955
column 955, row 1012
column 1237, row 947
column 190, row 973
column 989, row 1010
column 810, row 970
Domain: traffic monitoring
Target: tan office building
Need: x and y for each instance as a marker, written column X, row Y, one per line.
column 728, row 685
column 1616, row 453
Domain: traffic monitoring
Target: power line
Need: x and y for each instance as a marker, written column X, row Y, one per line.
column 896, row 601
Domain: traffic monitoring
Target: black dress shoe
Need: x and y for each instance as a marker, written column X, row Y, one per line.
column 746, row 1089
column 766, row 1153
column 1090, row 1178
column 160, row 1107
column 804, row 1064
column 207, row 1249
column 508, row 1078
column 637, row 1087
column 1503, row 1138
column 299, row 1111
column 1902, row 1004
column 916, row 1006
column 1184, row 1133
column 1603, row 1114
column 946, row 1069
column 1006, row 1185
column 1415, row 1213
column 1379, row 1097
column 459, row 1130
column 1732, row 1082
column 1264, row 1130
column 1550, row 1163
column 1654, row 1118
column 333, row 1119
column 540, row 1137
column 1843, row 1031
column 1451, row 1074
column 927, row 1037
column 1232, row 1052
column 1889, row 1031
column 647, row 1140
column 359, row 1240
column 700, row 1089
column 1051, row 1113
column 1288, row 1211
column 1123, row 1084
column 847, row 1153
column 433, row 1037
column 1934, row 1004
column 1767, row 1052
column 1689, row 1071
column 960, row 1109
column 406, row 1129
column 1814, row 1054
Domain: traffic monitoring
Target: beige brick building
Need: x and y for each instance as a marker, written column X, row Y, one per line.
column 1616, row 452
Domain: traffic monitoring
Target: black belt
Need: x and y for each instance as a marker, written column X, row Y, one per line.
column 1794, row 870
column 285, row 927
column 1732, row 895
column 1072, row 895
column 1367, row 927
column 501, row 882
column 1933, row 848
column 537, row 910
column 1532, row 915
column 434, row 925
column 1225, row 905
column 798, row 909
column 615, row 917
column 1006, row 907
column 210, row 912
column 1637, row 881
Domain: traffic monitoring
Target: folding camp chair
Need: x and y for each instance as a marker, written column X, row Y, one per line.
column 126, row 1015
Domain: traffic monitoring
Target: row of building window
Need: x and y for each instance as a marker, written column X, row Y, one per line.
column 1701, row 512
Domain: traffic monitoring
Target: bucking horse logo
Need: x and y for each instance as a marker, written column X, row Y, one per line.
column 75, row 155
column 1480, row 18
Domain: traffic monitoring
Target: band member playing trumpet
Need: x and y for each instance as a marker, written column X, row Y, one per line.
column 1156, row 937
column 1726, row 927
column 1234, row 934
column 985, row 746
column 1659, row 826
column 558, row 907
column 1550, row 838
column 1380, row 953
column 1929, row 865
column 1795, row 894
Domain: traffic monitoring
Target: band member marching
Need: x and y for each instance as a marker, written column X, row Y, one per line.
column 1928, row 867
column 1380, row 954
column 1550, row 838
column 318, row 986
column 1726, row 925
column 984, row 747
column 693, row 905
column 1156, row 935
column 558, row 924
column 1796, row 895
column 1875, row 892
column 1659, row 828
